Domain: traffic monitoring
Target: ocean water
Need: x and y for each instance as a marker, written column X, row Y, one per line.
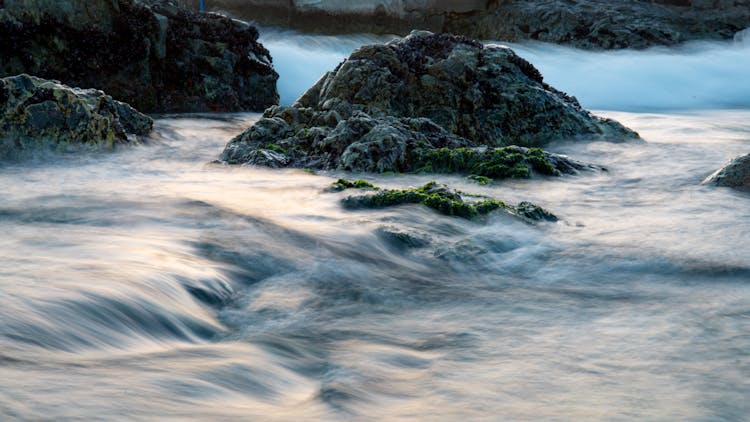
column 148, row 284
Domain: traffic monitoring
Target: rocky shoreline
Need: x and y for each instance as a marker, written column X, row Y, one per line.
column 591, row 24
column 427, row 103
column 433, row 103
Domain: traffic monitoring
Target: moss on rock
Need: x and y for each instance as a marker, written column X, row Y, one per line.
column 493, row 163
column 432, row 103
column 343, row 184
column 443, row 200
column 38, row 114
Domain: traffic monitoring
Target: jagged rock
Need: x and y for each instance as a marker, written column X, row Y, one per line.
column 430, row 102
column 37, row 113
column 582, row 23
column 158, row 57
column 735, row 174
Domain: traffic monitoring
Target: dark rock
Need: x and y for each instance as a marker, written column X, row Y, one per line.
column 582, row 23
column 735, row 174
column 429, row 102
column 158, row 57
column 37, row 113
column 534, row 212
column 402, row 239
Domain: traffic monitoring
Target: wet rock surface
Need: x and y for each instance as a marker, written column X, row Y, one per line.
column 595, row 24
column 153, row 55
column 38, row 114
column 606, row 24
column 429, row 102
column 735, row 174
column 440, row 198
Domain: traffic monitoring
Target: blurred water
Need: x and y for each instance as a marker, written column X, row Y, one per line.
column 301, row 59
column 150, row 285
column 697, row 75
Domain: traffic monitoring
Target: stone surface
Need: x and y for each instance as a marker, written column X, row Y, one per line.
column 735, row 174
column 157, row 57
column 42, row 114
column 431, row 102
column 582, row 23
column 443, row 200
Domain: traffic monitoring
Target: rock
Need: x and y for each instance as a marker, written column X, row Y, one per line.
column 443, row 200
column 430, row 102
column 157, row 57
column 607, row 24
column 402, row 240
column 37, row 113
column 582, row 23
column 735, row 174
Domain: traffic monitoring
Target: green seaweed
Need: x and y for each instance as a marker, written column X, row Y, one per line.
column 534, row 212
column 343, row 184
column 275, row 147
column 482, row 180
column 497, row 163
column 431, row 195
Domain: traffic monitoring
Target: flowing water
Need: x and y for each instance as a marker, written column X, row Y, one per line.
column 150, row 285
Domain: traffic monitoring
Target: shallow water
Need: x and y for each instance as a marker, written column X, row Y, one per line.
column 149, row 285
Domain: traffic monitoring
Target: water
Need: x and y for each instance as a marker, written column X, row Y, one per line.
column 150, row 285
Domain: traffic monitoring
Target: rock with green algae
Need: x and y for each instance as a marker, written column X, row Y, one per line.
column 388, row 108
column 39, row 114
column 343, row 184
column 440, row 198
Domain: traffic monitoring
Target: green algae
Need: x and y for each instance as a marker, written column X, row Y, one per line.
column 495, row 163
column 534, row 212
column 482, row 180
column 343, row 184
column 437, row 197
column 432, row 195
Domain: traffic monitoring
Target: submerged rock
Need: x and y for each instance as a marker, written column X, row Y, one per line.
column 736, row 174
column 156, row 56
column 438, row 197
column 430, row 102
column 38, row 113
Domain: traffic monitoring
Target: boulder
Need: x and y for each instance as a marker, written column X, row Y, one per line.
column 41, row 114
column 440, row 198
column 432, row 102
column 156, row 56
column 735, row 174
column 593, row 24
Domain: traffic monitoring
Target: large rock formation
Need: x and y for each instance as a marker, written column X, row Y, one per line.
column 157, row 57
column 582, row 23
column 735, row 174
column 432, row 102
column 41, row 114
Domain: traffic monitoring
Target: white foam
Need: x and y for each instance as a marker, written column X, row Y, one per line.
column 697, row 75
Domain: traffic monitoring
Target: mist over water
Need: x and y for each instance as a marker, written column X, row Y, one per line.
column 301, row 59
column 697, row 75
column 149, row 284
